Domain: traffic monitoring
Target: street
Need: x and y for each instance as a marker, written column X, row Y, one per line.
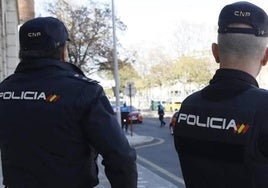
column 160, row 156
column 157, row 161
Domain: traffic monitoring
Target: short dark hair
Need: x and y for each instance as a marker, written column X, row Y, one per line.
column 51, row 54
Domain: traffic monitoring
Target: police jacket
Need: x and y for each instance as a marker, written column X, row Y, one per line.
column 221, row 133
column 52, row 120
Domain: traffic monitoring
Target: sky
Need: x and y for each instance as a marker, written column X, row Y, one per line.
column 146, row 20
column 155, row 22
column 149, row 19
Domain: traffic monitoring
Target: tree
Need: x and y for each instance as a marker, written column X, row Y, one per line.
column 185, row 70
column 90, row 33
column 158, row 74
column 126, row 73
column 191, row 37
column 194, row 70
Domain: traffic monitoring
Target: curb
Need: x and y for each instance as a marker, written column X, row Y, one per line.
column 137, row 140
column 154, row 114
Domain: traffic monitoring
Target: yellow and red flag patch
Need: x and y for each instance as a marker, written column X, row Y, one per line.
column 52, row 98
column 241, row 129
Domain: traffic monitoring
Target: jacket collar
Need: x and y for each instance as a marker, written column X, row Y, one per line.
column 232, row 74
column 27, row 65
column 227, row 84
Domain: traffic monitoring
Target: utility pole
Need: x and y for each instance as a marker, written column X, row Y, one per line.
column 3, row 40
column 116, row 77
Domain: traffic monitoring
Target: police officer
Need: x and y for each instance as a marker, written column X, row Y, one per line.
column 221, row 133
column 125, row 117
column 54, row 120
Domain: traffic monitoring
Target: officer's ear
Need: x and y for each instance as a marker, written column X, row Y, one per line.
column 215, row 52
column 64, row 53
column 265, row 58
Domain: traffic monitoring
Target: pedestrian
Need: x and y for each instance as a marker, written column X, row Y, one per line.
column 55, row 121
column 221, row 133
column 161, row 114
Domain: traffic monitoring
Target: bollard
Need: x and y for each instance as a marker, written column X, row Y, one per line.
column 131, row 127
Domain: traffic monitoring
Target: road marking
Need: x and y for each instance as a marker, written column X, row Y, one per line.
column 163, row 171
column 159, row 141
column 140, row 186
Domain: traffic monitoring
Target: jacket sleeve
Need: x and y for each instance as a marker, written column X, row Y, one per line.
column 103, row 132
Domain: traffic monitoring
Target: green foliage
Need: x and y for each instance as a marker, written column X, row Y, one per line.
column 185, row 70
column 126, row 74
column 189, row 69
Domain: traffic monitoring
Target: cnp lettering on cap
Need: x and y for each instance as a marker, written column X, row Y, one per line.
column 36, row 34
column 241, row 13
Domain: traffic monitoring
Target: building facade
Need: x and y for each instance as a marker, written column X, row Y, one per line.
column 9, row 45
column 26, row 10
column 12, row 14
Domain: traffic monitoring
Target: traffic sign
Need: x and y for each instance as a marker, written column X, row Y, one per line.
column 130, row 89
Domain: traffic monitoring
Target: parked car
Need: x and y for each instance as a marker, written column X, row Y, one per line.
column 173, row 122
column 173, row 106
column 113, row 104
column 134, row 114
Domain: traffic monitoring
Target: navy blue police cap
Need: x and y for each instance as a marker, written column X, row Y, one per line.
column 42, row 34
column 243, row 13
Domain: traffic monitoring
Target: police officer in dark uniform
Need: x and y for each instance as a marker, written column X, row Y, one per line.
column 221, row 133
column 54, row 120
column 125, row 116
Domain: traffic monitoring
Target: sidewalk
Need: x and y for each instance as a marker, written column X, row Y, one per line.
column 153, row 113
column 146, row 178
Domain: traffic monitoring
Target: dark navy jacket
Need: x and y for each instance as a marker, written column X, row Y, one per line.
column 52, row 117
column 221, row 134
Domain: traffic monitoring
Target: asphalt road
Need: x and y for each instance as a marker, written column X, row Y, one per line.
column 160, row 156
column 157, row 162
